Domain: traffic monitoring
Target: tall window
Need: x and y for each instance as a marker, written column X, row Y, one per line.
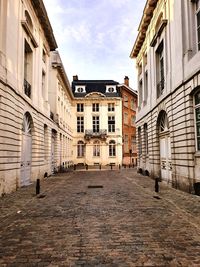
column 146, row 139
column 133, row 120
column 126, row 101
column 95, row 124
column 126, row 118
column 27, row 68
column 111, row 106
column 79, row 107
column 139, row 142
column 146, row 86
column 43, row 84
column 160, row 70
column 133, row 144
column 45, row 142
column 95, row 107
column 80, row 124
column 126, row 148
column 133, row 104
column 80, row 149
column 112, row 148
column 96, row 149
column 198, row 22
column 111, row 124
column 197, row 116
column 140, row 92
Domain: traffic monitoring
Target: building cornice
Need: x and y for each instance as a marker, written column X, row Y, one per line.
column 41, row 13
column 144, row 23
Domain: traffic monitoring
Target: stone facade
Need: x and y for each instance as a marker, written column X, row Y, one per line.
column 30, row 138
column 168, row 124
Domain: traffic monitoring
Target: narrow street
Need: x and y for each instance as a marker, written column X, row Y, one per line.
column 99, row 218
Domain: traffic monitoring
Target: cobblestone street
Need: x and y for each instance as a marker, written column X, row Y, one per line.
column 120, row 223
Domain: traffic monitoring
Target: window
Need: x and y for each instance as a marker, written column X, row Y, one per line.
column 79, row 89
column 80, row 149
column 43, row 85
column 126, row 148
column 110, row 88
column 111, row 106
column 146, row 139
column 95, row 124
column 125, row 118
column 197, row 117
column 132, row 104
column 95, row 107
column 45, row 142
column 140, row 92
column 27, row 68
column 146, row 87
column 133, row 144
column 111, row 124
column 96, row 149
column 80, row 107
column 80, row 124
column 160, row 70
column 139, row 142
column 126, row 101
column 198, row 23
column 133, row 120
column 112, row 148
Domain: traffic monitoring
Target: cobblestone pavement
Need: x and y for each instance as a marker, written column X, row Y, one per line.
column 119, row 224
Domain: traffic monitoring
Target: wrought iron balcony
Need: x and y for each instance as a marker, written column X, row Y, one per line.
column 160, row 87
column 102, row 134
column 27, row 88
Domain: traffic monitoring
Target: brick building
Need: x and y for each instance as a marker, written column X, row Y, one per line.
column 129, row 105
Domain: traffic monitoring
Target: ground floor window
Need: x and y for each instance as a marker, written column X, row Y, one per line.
column 96, row 149
column 112, row 148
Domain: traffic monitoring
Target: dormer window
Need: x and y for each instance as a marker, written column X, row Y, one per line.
column 111, row 89
column 79, row 89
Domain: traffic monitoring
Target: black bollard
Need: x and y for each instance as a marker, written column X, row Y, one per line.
column 156, row 185
column 86, row 167
column 74, row 167
column 100, row 167
column 129, row 166
column 37, row 187
column 111, row 166
column 119, row 166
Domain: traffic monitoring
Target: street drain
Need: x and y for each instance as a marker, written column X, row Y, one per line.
column 157, row 197
column 95, row 186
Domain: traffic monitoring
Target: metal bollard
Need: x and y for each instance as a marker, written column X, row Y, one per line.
column 74, row 167
column 119, row 166
column 156, row 185
column 37, row 187
column 129, row 166
column 111, row 167
column 86, row 167
column 100, row 167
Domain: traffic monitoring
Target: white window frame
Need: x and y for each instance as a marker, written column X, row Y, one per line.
column 196, row 106
column 80, row 149
column 111, row 124
column 108, row 88
column 80, row 124
column 112, row 148
column 197, row 8
column 80, row 89
column 96, row 149
column 95, row 107
column 111, row 107
column 95, row 124
column 80, row 107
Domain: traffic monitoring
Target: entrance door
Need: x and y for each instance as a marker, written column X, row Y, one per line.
column 165, row 148
column 165, row 158
column 53, row 153
column 26, row 152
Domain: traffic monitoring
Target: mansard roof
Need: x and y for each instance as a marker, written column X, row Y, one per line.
column 98, row 86
column 144, row 24
column 45, row 23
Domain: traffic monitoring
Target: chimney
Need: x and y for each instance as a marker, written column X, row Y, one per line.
column 126, row 80
column 75, row 78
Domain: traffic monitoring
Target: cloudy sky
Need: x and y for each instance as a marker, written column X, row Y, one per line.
column 95, row 37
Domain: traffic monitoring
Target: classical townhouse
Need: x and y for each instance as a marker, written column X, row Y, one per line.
column 167, row 52
column 98, row 123
column 129, row 106
column 29, row 135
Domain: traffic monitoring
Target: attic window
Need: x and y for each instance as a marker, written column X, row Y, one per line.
column 110, row 89
column 79, row 89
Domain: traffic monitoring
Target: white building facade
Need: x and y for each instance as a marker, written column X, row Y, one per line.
column 167, row 53
column 30, row 136
column 97, row 123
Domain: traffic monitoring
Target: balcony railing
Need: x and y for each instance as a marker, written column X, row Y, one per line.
column 102, row 134
column 27, row 88
column 160, row 87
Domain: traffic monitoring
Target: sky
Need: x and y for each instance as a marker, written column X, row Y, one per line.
column 95, row 37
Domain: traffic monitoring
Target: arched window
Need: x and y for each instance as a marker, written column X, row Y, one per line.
column 96, row 149
column 163, row 123
column 26, row 125
column 80, row 149
column 197, row 117
column 112, row 148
